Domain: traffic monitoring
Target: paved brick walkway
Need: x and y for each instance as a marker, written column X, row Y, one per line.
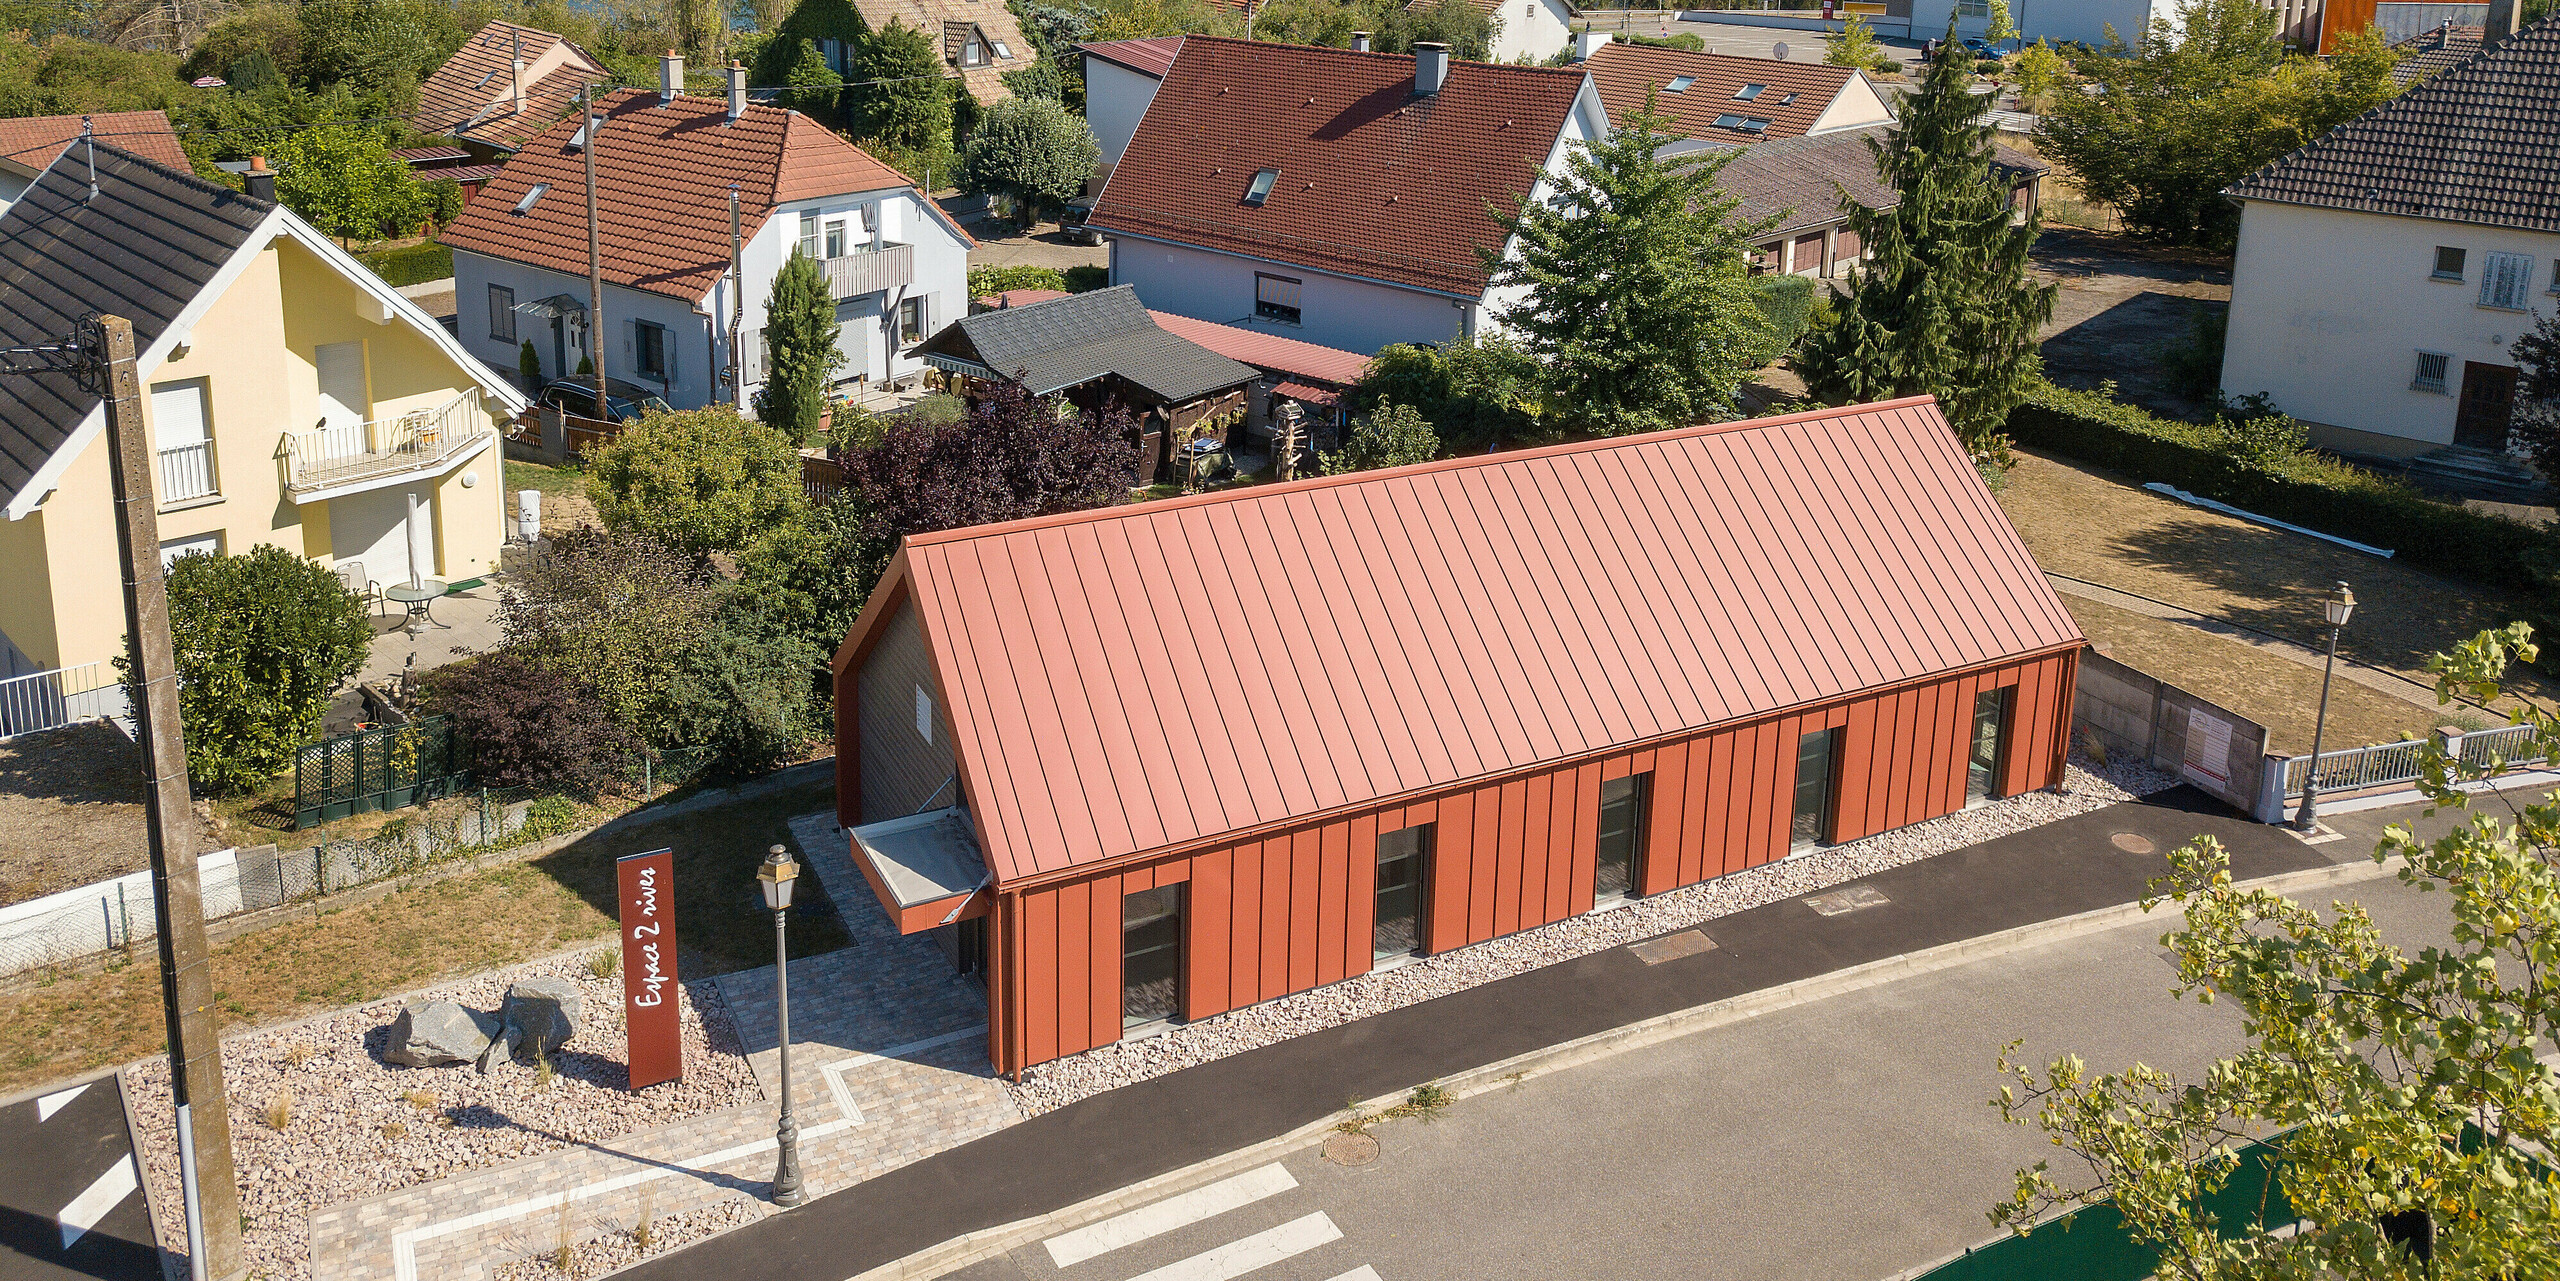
column 889, row 1065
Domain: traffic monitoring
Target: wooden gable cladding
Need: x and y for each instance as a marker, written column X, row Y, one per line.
column 1291, row 910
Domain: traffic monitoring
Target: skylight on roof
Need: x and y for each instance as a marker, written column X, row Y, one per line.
column 1679, row 84
column 1002, row 51
column 532, row 195
column 1744, row 124
column 1748, row 92
column 1261, row 188
column 1789, row 100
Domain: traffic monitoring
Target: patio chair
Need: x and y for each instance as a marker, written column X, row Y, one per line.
column 351, row 573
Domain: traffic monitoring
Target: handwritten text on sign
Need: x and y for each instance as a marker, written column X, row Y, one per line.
column 656, row 1047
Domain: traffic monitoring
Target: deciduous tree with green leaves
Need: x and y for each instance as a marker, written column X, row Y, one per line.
column 1946, row 307
column 1636, row 301
column 347, row 183
column 1855, row 45
column 2404, row 1093
column 1391, row 436
column 800, row 342
column 263, row 642
column 621, row 612
column 1031, row 150
column 697, row 480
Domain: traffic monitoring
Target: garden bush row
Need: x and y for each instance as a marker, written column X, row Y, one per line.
column 2310, row 490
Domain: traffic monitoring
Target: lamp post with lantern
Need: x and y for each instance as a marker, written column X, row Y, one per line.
column 775, row 877
column 2339, row 608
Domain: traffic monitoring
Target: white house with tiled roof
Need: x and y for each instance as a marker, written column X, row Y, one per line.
column 2385, row 269
column 666, row 163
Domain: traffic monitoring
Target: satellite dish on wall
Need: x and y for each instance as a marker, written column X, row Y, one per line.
column 1781, row 51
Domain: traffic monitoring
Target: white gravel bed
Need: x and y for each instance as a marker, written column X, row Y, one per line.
column 359, row 1127
column 1053, row 1085
column 619, row 1245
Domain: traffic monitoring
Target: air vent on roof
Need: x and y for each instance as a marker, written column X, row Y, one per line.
column 532, row 195
column 1261, row 188
column 485, row 79
column 1680, row 84
column 1748, row 92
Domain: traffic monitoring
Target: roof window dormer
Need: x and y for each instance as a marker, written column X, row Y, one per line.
column 532, row 194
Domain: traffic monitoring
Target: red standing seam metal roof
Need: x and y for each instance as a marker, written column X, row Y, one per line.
column 1347, row 640
column 664, row 173
column 1312, row 361
column 1623, row 72
column 1151, row 56
column 33, row 141
column 1375, row 181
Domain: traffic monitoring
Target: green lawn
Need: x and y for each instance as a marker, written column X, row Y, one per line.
column 570, row 481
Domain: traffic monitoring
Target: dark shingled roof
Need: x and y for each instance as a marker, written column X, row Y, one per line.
column 2479, row 143
column 1050, row 346
column 143, row 248
column 2429, row 52
column 1800, row 181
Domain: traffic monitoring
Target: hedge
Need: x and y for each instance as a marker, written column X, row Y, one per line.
column 2316, row 492
column 1786, row 302
column 413, row 265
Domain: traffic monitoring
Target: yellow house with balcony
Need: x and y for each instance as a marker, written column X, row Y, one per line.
column 292, row 397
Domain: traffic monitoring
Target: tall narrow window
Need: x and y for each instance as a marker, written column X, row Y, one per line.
column 1613, row 870
column 911, row 321
column 1150, row 955
column 2505, row 280
column 649, row 353
column 502, row 314
column 809, row 235
column 1990, row 745
column 1403, row 856
column 1815, row 790
column 835, row 238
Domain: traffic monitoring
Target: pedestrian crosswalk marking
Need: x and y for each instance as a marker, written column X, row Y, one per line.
column 1262, row 1249
column 52, row 1103
column 87, row 1208
column 1070, row 1248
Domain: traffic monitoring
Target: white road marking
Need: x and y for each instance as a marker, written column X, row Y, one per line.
column 52, row 1103
column 1068, row 1249
column 1262, row 1249
column 834, row 1072
column 1362, row 1273
column 87, row 1208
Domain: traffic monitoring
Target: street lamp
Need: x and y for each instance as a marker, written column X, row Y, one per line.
column 775, row 877
column 2338, row 608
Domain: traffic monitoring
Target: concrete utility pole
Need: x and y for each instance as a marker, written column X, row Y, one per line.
column 593, row 127
column 186, row 978
column 737, row 307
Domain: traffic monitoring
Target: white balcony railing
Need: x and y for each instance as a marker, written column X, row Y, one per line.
column 871, row 271
column 340, row 455
column 186, row 472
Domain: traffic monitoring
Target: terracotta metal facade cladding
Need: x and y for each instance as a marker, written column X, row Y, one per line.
column 1624, row 72
column 663, row 174
column 1401, row 182
column 1142, row 678
column 1292, row 910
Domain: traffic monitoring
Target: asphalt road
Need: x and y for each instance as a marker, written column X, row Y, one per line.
column 69, row 1204
column 1842, row 1140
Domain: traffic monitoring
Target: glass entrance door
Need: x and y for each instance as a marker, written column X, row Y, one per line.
column 1150, row 955
column 1613, row 872
column 1814, row 789
column 1990, row 739
column 1401, row 858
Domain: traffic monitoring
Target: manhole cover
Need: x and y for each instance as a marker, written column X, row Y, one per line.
column 1351, row 1149
column 2133, row 843
column 1843, row 901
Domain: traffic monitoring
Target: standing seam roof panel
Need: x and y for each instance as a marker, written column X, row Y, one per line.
column 1488, row 726
column 1307, row 597
column 1598, row 619
column 1546, row 660
column 1223, row 754
column 1304, row 764
column 1831, row 585
column 1532, row 736
column 1391, row 621
column 1680, row 595
column 1641, row 583
column 1275, row 775
column 1142, row 642
column 1742, row 553
column 1062, row 554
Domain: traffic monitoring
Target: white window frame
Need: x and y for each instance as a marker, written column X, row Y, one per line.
column 2506, row 280
column 912, row 317
column 835, row 238
column 2442, row 383
column 809, row 235
column 666, row 370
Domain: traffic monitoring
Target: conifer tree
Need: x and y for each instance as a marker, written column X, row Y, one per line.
column 1946, row 307
column 800, row 333
column 899, row 103
column 1637, row 307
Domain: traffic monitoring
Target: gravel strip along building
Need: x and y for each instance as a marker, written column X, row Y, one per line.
column 1148, row 764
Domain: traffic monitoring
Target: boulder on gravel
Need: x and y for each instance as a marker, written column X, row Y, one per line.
column 541, row 1014
column 439, row 1034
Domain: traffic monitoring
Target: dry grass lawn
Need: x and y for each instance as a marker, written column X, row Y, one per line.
column 2090, row 524
column 429, row 932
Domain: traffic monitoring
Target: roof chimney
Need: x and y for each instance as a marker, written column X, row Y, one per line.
column 517, row 70
column 260, row 180
column 2501, row 25
column 1359, row 42
column 1431, row 66
column 737, row 88
column 670, row 77
column 1587, row 42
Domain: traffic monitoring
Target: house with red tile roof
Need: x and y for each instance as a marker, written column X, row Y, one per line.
column 1718, row 97
column 29, row 143
column 505, row 84
column 666, row 165
column 1335, row 196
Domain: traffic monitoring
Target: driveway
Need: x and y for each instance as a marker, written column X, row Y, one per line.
column 1042, row 247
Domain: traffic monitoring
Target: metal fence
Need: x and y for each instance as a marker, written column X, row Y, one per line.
column 40, row 701
column 386, row 768
column 2396, row 764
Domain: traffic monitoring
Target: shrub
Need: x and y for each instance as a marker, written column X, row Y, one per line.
column 800, row 333
column 263, row 642
column 1474, row 392
column 987, row 282
column 1010, row 456
column 1033, row 150
column 1391, row 436
column 746, row 694
column 529, row 363
column 697, row 480
column 815, row 576
column 2312, row 490
column 530, row 725
column 621, row 611
column 1087, row 279
column 2266, row 444
column 2194, row 363
column 413, row 265
column 1786, row 302
column 549, row 816
column 2535, row 423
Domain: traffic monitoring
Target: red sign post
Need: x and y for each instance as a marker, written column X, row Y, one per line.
column 656, row 1047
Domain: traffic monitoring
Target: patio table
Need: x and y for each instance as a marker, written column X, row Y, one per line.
column 420, row 600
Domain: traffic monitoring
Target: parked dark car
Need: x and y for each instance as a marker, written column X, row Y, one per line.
column 578, row 396
column 1072, row 225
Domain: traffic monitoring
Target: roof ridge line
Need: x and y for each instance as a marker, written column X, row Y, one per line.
column 1097, row 515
